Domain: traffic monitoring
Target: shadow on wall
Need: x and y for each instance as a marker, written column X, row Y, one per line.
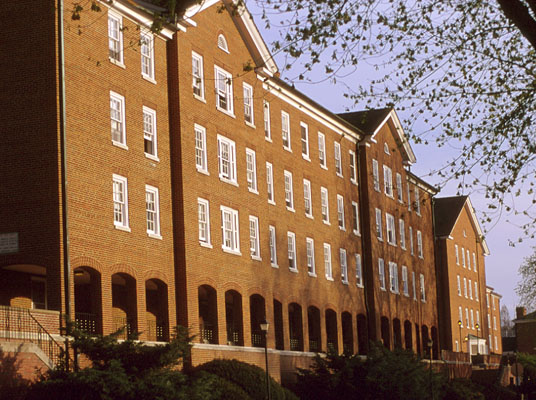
column 12, row 385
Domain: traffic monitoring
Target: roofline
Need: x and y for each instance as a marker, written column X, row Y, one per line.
column 422, row 183
column 139, row 15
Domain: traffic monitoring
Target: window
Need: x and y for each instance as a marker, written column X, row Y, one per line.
column 489, row 321
column 229, row 227
column 463, row 257
column 494, row 323
column 327, row 262
column 419, row 244
column 460, row 315
column 487, row 299
column 227, row 159
column 322, row 149
column 478, row 318
column 391, row 230
column 292, row 251
column 120, row 190
column 198, row 83
column 270, row 182
column 381, row 273
column 468, row 260
column 38, row 291
column 402, row 229
column 307, row 198
column 423, row 289
column 405, row 286
column 459, row 285
column 388, row 181
column 149, row 132
column 147, row 55
column 399, row 191
column 203, row 217
column 222, row 43
column 411, row 240
column 324, row 204
column 251, row 170
column 338, row 163
column 472, row 319
column 304, row 140
column 355, row 218
column 358, row 270
column 457, row 254
column 285, row 130
column 115, row 38
column 248, row 104
column 273, row 246
column 200, row 148
column 474, row 262
column 379, row 229
column 413, row 285
column 266, row 117
column 117, row 117
column 254, row 245
column 152, row 208
column 470, row 289
column 340, row 212
column 386, row 148
column 409, row 196
column 353, row 167
column 417, row 201
column 310, row 245
column 344, row 265
column 496, row 343
column 465, row 287
column 476, row 291
column 393, row 276
column 376, row 175
column 289, row 192
column 493, row 302
column 224, row 90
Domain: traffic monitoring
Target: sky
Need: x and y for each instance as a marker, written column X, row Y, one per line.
column 504, row 260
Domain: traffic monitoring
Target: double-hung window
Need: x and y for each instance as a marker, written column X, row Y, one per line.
column 152, row 208
column 344, row 265
column 289, row 192
column 120, row 195
column 423, row 288
column 147, row 55
column 388, row 181
column 375, row 175
column 198, row 83
column 472, row 319
column 291, row 237
column 393, row 276
column 200, row 148
column 248, row 104
column 463, row 257
column 285, row 130
column 358, row 270
column 353, row 167
column 413, row 285
column 391, row 230
column 115, row 38
column 409, row 196
column 465, row 287
column 476, row 291
column 273, row 246
column 474, row 262
column 230, row 232
column 470, row 286
column 304, row 140
column 460, row 316
column 227, row 159
column 117, row 119
column 324, row 205
column 310, row 248
column 405, row 286
column 327, row 262
column 224, row 90
column 340, row 212
column 379, row 229
column 417, row 201
column 355, row 218
column 419, row 244
column 457, row 254
column 203, row 218
column 307, row 198
column 411, row 240
column 459, row 285
column 338, row 162
column 251, row 170
column 381, row 273
column 254, row 242
column 266, row 117
column 149, row 132
column 399, row 191
column 402, row 233
column 270, row 182
column 468, row 260
column 322, row 149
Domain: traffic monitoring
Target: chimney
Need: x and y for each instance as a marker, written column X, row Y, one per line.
column 520, row 312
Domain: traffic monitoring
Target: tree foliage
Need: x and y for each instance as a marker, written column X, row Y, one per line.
column 526, row 288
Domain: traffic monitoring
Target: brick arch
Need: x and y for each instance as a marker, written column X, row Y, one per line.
column 232, row 286
column 312, row 303
column 123, row 268
column 257, row 290
column 330, row 306
column 28, row 260
column 87, row 262
column 156, row 274
column 207, row 281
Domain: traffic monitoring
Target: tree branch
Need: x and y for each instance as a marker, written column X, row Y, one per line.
column 519, row 15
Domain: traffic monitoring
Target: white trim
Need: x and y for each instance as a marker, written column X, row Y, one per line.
column 138, row 17
column 155, row 233
column 152, row 113
column 206, row 204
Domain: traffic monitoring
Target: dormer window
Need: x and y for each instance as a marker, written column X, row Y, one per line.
column 222, row 43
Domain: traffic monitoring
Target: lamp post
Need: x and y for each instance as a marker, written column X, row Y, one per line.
column 430, row 344
column 477, row 326
column 460, row 326
column 264, row 328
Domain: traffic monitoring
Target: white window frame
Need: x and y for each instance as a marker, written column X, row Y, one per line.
column 307, row 198
column 355, row 218
column 322, row 150
column 337, row 156
column 285, row 131
column 402, row 232
column 324, row 201
column 460, row 315
column 147, row 56
column 151, row 191
column 224, row 91
column 353, row 167
column 198, row 76
column 399, row 190
column 465, row 288
column 251, row 170
column 393, row 277
column 358, row 271
column 229, row 164
column 459, row 285
column 119, row 137
column 150, row 133
column 222, row 43
column 340, row 213
column 388, row 181
column 115, row 38
column 463, row 258
column 289, row 191
column 409, row 196
column 304, row 133
column 474, row 262
column 472, row 319
column 375, row 175
column 249, row 117
column 457, row 254
column 120, row 199
column 476, row 291
column 270, row 182
column 468, row 259
column 381, row 273
column 417, row 200
column 405, row 284
column 292, row 261
column 273, row 245
column 379, row 226
column 390, row 229
column 328, row 269
column 419, row 244
column 411, row 247
column 267, row 120
column 470, row 286
column 494, row 323
column 414, row 285
column 344, row 265
column 203, row 220
column 423, row 288
column 254, row 240
column 201, row 149
column 230, row 242
column 310, row 253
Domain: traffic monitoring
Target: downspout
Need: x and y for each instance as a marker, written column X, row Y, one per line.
column 63, row 138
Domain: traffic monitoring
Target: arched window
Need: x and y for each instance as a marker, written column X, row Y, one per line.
column 222, row 43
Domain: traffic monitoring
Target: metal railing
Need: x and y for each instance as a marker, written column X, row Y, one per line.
column 155, row 331
column 257, row 339
column 86, row 322
column 314, row 345
column 233, row 336
column 122, row 323
column 295, row 344
column 18, row 324
column 207, row 335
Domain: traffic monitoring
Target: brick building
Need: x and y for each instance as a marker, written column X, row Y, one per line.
column 525, row 331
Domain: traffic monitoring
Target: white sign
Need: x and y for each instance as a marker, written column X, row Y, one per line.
column 9, row 243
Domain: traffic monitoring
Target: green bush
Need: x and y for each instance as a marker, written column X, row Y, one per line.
column 462, row 389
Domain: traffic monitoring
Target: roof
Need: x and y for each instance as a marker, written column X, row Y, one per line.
column 366, row 120
column 526, row 317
